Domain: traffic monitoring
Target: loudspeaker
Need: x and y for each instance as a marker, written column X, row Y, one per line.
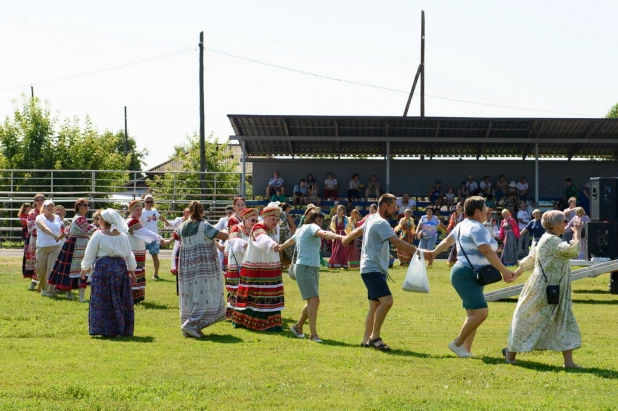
column 601, row 239
column 603, row 204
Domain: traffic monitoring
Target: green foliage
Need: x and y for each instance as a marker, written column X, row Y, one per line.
column 613, row 112
column 31, row 140
column 50, row 362
column 181, row 187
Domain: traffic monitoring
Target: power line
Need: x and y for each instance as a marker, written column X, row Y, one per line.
column 99, row 71
column 357, row 83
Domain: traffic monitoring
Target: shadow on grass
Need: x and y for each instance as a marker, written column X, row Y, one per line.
column 139, row 339
column 161, row 280
column 537, row 366
column 154, row 306
column 403, row 353
column 610, row 302
column 590, row 292
column 220, row 338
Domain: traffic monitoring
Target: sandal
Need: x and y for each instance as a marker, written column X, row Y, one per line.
column 364, row 345
column 381, row 347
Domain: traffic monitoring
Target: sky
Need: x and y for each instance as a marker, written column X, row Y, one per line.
column 556, row 56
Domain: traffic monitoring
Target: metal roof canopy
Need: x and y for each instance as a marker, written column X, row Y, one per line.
column 432, row 136
column 391, row 137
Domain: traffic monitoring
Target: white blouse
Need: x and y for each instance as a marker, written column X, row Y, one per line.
column 44, row 239
column 104, row 245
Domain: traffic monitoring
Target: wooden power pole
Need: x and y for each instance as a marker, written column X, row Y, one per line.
column 422, row 64
column 202, row 125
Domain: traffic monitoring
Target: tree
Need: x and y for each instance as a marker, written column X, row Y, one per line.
column 613, row 112
column 30, row 140
column 220, row 163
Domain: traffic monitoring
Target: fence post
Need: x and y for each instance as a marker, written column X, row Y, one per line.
column 174, row 195
column 214, row 197
column 134, row 185
column 51, row 185
column 12, row 183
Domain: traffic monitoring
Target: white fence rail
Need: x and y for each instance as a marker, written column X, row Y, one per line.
column 173, row 190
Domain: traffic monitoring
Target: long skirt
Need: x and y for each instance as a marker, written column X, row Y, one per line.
column 200, row 284
column 111, row 300
column 66, row 272
column 354, row 253
column 232, row 276
column 139, row 287
column 29, row 260
column 175, row 259
column 509, row 250
column 339, row 258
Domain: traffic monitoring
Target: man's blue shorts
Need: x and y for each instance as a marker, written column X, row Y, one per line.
column 153, row 248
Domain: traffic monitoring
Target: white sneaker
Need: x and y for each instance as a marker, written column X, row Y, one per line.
column 460, row 351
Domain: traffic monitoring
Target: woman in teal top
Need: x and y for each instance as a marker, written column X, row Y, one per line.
column 307, row 240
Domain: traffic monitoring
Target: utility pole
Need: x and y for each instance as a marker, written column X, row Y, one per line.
column 422, row 64
column 32, row 91
column 126, row 133
column 418, row 72
column 202, row 126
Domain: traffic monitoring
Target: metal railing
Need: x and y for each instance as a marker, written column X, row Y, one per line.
column 173, row 190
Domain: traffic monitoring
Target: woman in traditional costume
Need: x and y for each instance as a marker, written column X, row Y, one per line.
column 200, row 283
column 239, row 206
column 111, row 311
column 287, row 228
column 29, row 263
column 338, row 225
column 237, row 245
column 509, row 233
column 139, row 236
column 259, row 300
column 354, row 250
column 406, row 229
column 67, row 270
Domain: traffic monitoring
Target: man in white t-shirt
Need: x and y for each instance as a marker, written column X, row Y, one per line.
column 471, row 185
column 523, row 218
column 149, row 219
column 522, row 187
column 403, row 203
column 377, row 236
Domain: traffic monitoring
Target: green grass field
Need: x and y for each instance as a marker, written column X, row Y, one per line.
column 48, row 360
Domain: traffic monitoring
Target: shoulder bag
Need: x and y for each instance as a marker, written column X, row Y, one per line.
column 552, row 291
column 487, row 274
column 292, row 269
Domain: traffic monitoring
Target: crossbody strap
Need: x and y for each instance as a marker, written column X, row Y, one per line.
column 543, row 271
column 462, row 249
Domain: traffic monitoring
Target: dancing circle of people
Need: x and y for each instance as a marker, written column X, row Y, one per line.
column 234, row 270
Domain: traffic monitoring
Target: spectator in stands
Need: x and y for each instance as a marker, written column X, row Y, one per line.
column 278, row 196
column 311, row 180
column 273, row 183
column 522, row 188
column 450, row 199
column 512, row 196
column 427, row 231
column 435, row 194
column 531, row 206
column 584, row 198
column 463, row 192
column 404, row 203
column 355, row 186
column 373, row 187
column 149, row 219
column 472, row 186
column 300, row 193
column 569, row 214
column 501, row 186
column 523, row 218
column 534, row 228
column 580, row 219
column 509, row 233
column 331, row 187
column 486, row 190
column 571, row 190
column 312, row 194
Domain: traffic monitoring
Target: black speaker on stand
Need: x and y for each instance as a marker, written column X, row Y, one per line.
column 603, row 200
column 613, row 283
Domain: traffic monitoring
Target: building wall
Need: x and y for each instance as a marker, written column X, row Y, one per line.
column 416, row 177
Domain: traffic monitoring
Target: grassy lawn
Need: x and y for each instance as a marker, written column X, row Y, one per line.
column 48, row 360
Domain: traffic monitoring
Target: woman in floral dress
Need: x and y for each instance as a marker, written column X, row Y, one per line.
column 536, row 324
column 406, row 229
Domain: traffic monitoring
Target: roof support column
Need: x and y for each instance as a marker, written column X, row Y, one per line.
column 388, row 166
column 536, row 173
column 243, row 143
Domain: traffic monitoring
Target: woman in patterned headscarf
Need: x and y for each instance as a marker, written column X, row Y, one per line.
column 259, row 300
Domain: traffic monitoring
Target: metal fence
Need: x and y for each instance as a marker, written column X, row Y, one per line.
column 173, row 190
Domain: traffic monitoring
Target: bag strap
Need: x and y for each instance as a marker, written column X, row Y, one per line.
column 462, row 249
column 543, row 271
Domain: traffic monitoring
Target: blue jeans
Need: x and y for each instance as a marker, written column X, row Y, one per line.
column 428, row 243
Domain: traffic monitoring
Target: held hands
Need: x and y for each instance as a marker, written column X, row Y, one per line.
column 277, row 248
column 428, row 255
column 509, row 277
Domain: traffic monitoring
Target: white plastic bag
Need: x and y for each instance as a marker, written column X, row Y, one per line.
column 416, row 278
